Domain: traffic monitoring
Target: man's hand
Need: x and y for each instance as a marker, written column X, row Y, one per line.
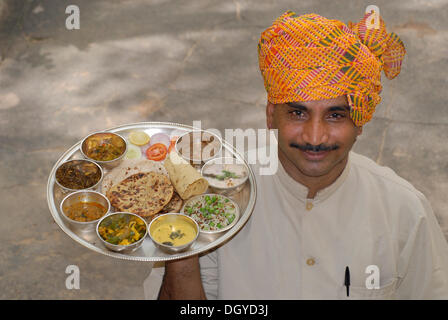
column 182, row 280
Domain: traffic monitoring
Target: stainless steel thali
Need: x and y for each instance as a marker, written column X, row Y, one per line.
column 148, row 252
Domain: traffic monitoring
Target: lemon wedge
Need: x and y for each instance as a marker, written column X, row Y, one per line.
column 139, row 138
column 133, row 152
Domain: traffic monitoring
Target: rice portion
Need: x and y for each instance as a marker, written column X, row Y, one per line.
column 211, row 212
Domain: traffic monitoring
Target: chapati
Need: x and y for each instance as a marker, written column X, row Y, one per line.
column 174, row 205
column 128, row 168
column 144, row 194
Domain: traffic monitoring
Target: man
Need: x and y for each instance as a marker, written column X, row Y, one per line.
column 328, row 215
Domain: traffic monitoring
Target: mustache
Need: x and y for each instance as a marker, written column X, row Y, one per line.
column 310, row 147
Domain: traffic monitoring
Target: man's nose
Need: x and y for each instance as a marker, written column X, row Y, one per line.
column 315, row 132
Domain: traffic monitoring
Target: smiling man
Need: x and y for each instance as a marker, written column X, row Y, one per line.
column 330, row 224
column 315, row 138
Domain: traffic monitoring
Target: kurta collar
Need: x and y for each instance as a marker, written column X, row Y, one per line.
column 300, row 191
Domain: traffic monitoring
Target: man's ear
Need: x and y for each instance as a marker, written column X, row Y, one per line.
column 270, row 115
column 358, row 130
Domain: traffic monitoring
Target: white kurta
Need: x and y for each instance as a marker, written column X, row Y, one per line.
column 298, row 248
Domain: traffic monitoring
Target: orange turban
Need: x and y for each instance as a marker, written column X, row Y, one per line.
column 309, row 57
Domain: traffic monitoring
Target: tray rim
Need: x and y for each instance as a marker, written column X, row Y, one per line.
column 244, row 216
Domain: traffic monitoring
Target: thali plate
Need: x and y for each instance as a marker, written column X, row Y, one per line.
column 245, row 198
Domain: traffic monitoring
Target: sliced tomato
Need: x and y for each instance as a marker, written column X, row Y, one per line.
column 172, row 144
column 156, row 152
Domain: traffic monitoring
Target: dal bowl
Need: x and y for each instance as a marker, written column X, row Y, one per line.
column 105, row 148
column 122, row 231
column 173, row 232
column 83, row 209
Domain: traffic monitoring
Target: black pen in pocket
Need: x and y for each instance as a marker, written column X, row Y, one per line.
column 347, row 280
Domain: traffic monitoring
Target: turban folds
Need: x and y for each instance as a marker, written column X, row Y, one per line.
column 309, row 57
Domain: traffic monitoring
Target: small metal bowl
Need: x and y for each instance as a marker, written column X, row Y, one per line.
column 214, row 232
column 74, row 161
column 83, row 196
column 121, row 248
column 106, row 135
column 167, row 218
column 184, row 142
column 224, row 161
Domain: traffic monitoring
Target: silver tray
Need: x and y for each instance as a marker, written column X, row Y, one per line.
column 245, row 198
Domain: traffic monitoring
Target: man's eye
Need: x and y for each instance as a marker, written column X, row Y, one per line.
column 297, row 113
column 337, row 115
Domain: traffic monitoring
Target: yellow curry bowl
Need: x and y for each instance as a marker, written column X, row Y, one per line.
column 122, row 231
column 173, row 232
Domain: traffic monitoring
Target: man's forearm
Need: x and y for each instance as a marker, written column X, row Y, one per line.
column 182, row 280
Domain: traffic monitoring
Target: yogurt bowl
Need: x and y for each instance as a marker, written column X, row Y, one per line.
column 225, row 175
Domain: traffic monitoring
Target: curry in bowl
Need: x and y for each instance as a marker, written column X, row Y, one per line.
column 85, row 211
column 103, row 146
column 176, row 232
column 122, row 229
column 173, row 232
column 78, row 174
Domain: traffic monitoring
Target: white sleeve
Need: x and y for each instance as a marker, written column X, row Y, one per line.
column 423, row 262
column 209, row 276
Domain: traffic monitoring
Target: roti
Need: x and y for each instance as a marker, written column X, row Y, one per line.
column 144, row 194
column 186, row 179
column 174, row 205
column 128, row 168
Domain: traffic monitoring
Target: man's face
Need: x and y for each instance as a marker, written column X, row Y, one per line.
column 315, row 136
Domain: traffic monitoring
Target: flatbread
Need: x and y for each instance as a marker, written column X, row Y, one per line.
column 174, row 205
column 128, row 168
column 144, row 194
column 185, row 179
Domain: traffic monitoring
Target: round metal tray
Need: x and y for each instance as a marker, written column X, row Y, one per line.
column 245, row 198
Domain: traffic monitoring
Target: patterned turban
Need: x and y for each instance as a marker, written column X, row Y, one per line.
column 309, row 57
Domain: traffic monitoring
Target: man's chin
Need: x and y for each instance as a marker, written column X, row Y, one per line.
column 313, row 173
column 313, row 169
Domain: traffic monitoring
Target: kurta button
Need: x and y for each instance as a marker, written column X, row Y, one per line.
column 309, row 206
column 310, row 262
